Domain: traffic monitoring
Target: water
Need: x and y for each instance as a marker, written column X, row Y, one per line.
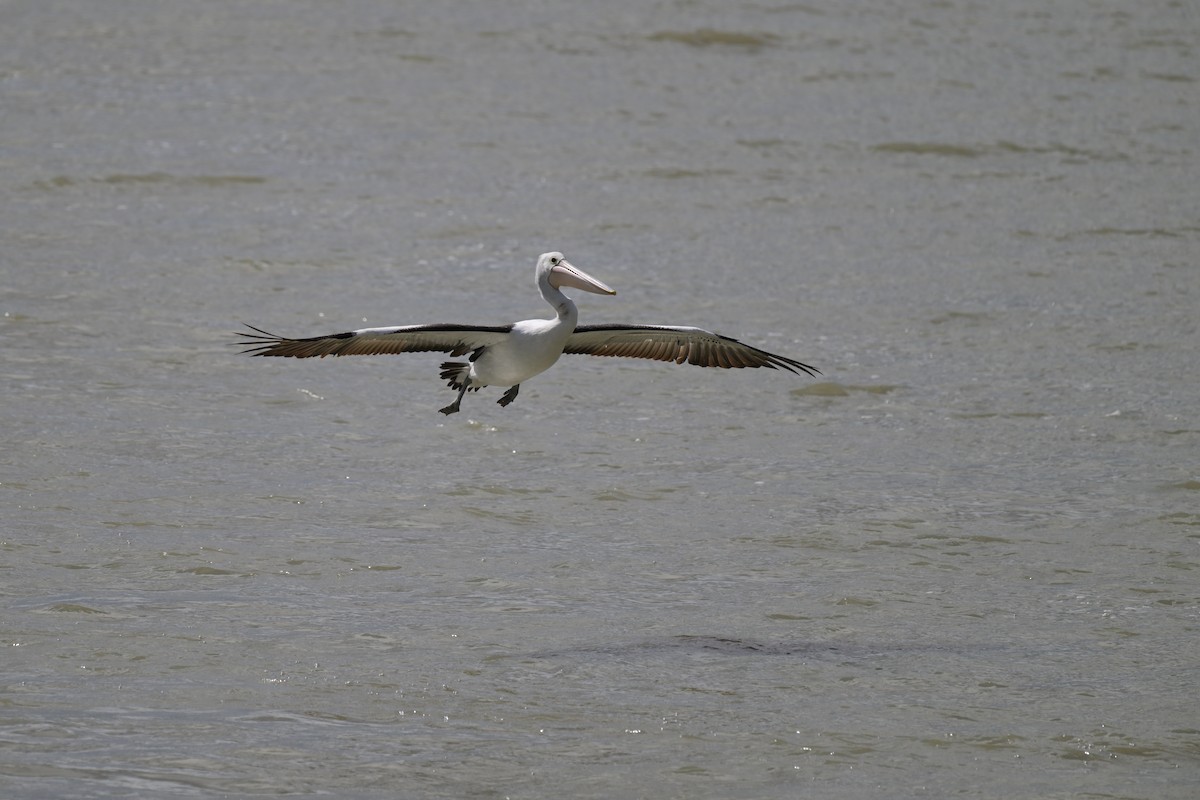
column 962, row 563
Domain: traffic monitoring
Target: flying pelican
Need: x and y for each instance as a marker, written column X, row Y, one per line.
column 507, row 355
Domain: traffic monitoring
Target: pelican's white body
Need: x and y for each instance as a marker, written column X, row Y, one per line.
column 532, row 347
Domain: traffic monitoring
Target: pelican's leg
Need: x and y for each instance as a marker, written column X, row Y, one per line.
column 453, row 407
column 510, row 395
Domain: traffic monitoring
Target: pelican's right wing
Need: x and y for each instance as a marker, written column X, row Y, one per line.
column 456, row 340
column 676, row 343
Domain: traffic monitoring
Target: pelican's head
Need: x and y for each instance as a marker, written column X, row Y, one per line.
column 555, row 271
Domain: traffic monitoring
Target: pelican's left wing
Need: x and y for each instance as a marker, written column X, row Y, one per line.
column 453, row 339
column 676, row 343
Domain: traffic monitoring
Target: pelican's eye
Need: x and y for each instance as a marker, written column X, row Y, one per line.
column 554, row 261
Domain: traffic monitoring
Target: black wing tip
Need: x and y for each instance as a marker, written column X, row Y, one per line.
column 797, row 367
column 262, row 343
column 258, row 341
column 776, row 361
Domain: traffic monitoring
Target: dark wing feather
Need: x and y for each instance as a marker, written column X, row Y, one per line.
column 676, row 343
column 453, row 339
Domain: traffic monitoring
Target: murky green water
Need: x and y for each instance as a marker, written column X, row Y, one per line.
column 962, row 563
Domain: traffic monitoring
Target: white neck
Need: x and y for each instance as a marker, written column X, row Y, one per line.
column 563, row 306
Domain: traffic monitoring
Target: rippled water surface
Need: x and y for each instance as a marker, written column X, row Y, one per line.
column 963, row 562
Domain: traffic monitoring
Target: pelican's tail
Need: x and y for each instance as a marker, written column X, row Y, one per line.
column 455, row 374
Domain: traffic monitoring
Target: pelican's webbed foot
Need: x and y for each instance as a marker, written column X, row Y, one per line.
column 510, row 395
column 453, row 407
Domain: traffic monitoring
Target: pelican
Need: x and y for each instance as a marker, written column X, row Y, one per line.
column 508, row 355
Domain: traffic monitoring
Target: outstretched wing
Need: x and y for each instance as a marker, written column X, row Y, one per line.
column 676, row 343
column 453, row 339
